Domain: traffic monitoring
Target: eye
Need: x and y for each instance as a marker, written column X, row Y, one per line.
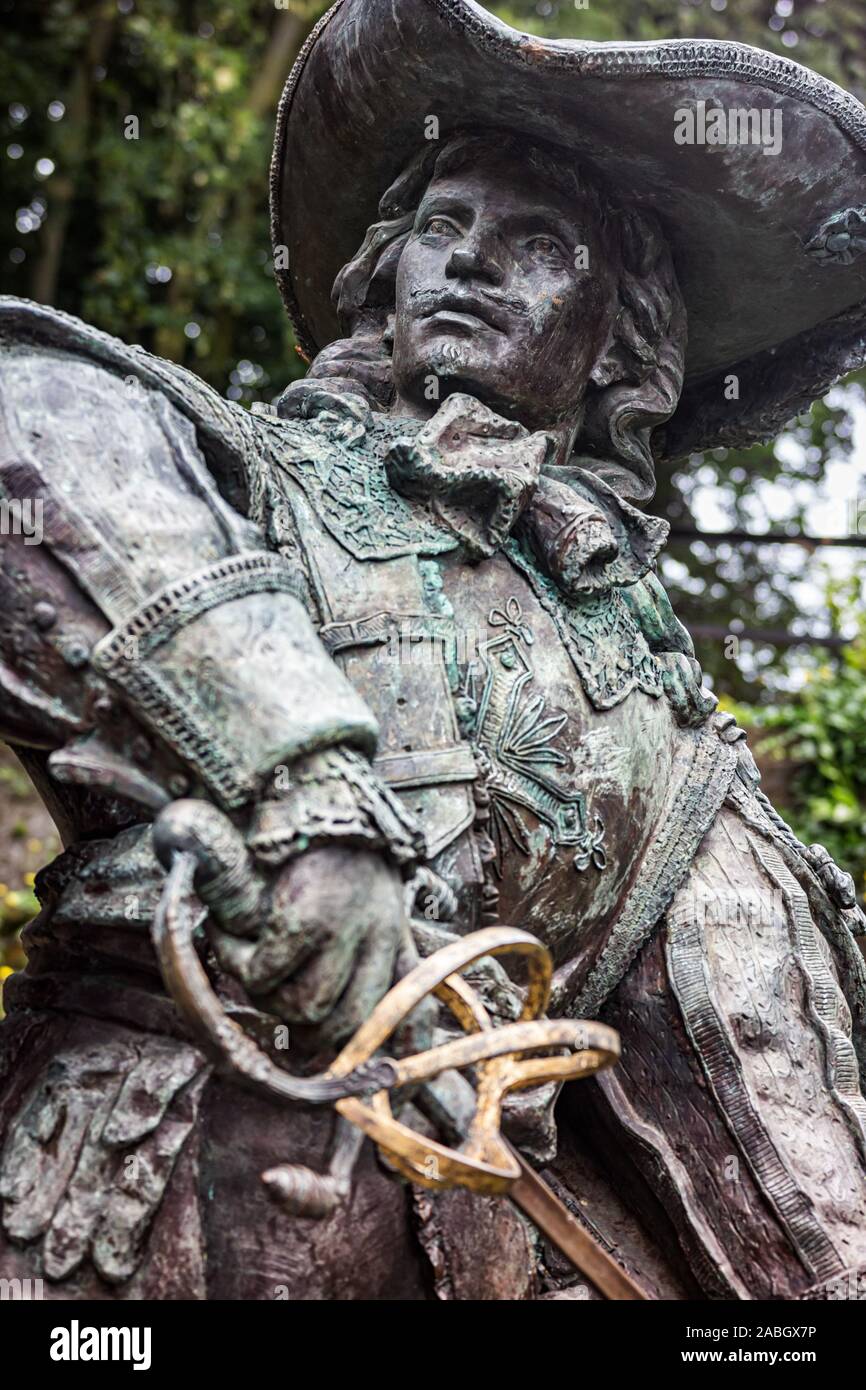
column 439, row 226
column 545, row 246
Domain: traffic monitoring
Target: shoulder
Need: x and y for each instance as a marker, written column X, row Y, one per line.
column 55, row 367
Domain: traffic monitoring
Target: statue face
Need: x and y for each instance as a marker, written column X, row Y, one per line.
column 503, row 291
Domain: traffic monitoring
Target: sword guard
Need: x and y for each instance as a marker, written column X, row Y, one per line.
column 507, row 1058
column 360, row 1081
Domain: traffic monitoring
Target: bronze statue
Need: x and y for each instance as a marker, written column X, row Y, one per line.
column 334, row 704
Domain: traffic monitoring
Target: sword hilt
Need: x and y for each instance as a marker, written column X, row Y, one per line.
column 359, row 1081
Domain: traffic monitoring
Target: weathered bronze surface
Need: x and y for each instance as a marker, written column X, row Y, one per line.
column 316, row 696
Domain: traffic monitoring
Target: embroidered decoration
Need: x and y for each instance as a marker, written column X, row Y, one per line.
column 515, row 738
column 348, row 488
column 602, row 638
column 691, row 810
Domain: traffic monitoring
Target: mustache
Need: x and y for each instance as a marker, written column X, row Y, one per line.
column 489, row 305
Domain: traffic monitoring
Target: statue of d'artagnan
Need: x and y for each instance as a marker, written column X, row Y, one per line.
column 329, row 707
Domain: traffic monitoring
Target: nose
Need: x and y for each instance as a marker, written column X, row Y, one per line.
column 476, row 259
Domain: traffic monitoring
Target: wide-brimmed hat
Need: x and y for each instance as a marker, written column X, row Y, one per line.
column 765, row 212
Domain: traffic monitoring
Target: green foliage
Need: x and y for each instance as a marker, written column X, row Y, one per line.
column 821, row 735
column 153, row 223
column 17, row 905
column 731, row 586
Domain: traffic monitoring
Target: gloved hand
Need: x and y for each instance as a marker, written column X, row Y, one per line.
column 317, row 940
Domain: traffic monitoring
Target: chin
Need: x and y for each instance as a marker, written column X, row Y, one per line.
column 460, row 366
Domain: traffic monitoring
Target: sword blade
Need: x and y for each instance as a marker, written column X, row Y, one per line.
column 537, row 1201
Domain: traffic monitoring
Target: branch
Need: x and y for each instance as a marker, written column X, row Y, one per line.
column 772, row 637
column 72, row 156
column 691, row 533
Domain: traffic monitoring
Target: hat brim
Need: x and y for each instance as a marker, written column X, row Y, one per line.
column 742, row 223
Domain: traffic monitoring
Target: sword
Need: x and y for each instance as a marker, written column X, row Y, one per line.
column 359, row 1081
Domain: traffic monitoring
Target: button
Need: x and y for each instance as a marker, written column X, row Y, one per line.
column 76, row 655
column 45, row 615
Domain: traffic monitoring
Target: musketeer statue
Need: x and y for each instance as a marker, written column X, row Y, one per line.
column 422, row 930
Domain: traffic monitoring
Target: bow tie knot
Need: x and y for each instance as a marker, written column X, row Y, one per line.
column 484, row 477
column 476, row 471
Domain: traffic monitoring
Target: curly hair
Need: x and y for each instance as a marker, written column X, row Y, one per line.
column 635, row 384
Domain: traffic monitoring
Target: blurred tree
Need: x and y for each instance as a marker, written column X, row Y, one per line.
column 134, row 147
column 135, row 166
column 817, row 741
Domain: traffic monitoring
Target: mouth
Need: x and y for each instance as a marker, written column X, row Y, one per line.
column 464, row 311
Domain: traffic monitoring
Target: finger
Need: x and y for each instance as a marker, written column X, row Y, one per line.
column 315, row 915
column 361, row 891
column 370, row 981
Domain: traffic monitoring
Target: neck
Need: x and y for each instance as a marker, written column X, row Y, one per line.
column 405, row 408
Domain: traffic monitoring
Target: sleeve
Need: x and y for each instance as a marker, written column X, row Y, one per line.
column 137, row 600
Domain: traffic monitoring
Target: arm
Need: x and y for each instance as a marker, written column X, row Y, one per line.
column 152, row 649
